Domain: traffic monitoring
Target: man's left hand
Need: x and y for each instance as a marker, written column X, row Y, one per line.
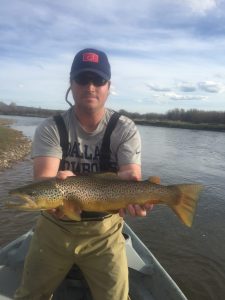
column 136, row 210
column 133, row 210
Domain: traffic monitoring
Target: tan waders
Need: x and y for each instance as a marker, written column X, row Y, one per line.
column 97, row 247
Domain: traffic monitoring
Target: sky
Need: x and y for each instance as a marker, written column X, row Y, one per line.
column 164, row 54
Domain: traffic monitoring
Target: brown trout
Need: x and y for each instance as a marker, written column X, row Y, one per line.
column 105, row 193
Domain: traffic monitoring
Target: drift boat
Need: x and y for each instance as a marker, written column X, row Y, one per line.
column 148, row 279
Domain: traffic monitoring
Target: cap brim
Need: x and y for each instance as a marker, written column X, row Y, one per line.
column 103, row 75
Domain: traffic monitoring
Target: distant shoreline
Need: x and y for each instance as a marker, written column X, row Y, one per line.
column 182, row 125
column 14, row 146
column 176, row 118
column 156, row 123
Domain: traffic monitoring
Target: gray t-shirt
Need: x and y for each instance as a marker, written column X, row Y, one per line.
column 84, row 147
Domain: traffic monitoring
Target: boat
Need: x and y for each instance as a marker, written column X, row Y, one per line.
column 147, row 278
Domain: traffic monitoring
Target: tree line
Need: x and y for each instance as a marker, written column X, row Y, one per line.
column 179, row 115
column 190, row 116
column 13, row 109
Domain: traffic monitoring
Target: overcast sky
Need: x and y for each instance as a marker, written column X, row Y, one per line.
column 164, row 54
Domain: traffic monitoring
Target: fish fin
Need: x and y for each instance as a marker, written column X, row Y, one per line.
column 154, row 179
column 71, row 210
column 185, row 207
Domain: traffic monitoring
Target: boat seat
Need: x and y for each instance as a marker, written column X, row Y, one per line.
column 74, row 286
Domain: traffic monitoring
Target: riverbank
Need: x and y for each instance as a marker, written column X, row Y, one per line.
column 182, row 125
column 14, row 146
column 176, row 118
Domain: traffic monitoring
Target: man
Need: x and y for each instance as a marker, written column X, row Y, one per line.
column 96, row 243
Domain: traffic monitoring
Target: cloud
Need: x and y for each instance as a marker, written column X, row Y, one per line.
column 201, row 6
column 212, row 86
column 219, row 75
column 186, row 87
column 120, row 27
column 157, row 88
column 187, row 44
column 179, row 97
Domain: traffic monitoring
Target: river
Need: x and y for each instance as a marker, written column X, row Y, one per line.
column 194, row 257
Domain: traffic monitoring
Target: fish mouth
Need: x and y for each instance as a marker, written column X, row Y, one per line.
column 27, row 204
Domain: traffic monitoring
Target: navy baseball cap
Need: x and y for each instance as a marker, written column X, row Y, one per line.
column 91, row 60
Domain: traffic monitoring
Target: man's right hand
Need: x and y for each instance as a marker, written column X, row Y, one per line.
column 58, row 212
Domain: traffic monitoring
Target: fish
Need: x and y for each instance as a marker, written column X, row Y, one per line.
column 105, row 192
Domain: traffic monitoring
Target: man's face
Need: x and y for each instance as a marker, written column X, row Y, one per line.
column 90, row 91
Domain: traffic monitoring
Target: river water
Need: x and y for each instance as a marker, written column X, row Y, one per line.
column 194, row 257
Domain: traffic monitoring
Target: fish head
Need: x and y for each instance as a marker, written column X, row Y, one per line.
column 37, row 196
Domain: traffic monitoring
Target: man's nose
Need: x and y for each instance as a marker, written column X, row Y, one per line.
column 90, row 86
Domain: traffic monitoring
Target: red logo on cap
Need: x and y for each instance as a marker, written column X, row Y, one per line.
column 90, row 57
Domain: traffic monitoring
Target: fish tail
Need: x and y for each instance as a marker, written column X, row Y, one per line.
column 186, row 204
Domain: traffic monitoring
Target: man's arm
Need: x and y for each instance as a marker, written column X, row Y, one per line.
column 45, row 166
column 130, row 171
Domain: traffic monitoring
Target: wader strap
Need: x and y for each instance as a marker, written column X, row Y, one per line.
column 63, row 134
column 105, row 148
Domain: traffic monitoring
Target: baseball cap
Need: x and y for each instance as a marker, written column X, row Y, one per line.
column 91, row 60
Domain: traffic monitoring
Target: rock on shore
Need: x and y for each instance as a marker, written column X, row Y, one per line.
column 15, row 152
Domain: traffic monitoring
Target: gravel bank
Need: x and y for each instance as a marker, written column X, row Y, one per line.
column 15, row 150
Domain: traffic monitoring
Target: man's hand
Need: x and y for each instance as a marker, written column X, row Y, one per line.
column 57, row 212
column 134, row 210
column 64, row 174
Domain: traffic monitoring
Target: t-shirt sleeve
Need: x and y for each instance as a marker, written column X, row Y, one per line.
column 128, row 143
column 46, row 140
